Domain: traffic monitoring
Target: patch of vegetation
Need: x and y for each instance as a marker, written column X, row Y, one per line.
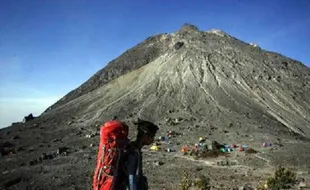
column 201, row 183
column 212, row 154
column 186, row 181
column 282, row 179
column 250, row 151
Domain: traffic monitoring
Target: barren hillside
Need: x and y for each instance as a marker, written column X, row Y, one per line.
column 197, row 83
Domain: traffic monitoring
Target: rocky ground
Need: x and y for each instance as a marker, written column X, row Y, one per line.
column 55, row 157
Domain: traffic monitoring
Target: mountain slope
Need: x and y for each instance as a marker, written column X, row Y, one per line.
column 212, row 77
column 130, row 60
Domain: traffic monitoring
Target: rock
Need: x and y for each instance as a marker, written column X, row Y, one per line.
column 90, row 136
column 33, row 162
column 56, row 140
column 246, row 187
column 188, row 27
column 198, row 169
column 12, row 181
column 302, row 185
column 16, row 137
column 7, row 148
column 51, row 155
column 78, row 133
column 233, row 163
column 158, row 163
column 30, row 149
column 177, row 46
column 284, row 63
column 225, row 131
column 44, row 156
column 28, row 118
column 20, row 148
column 91, row 145
column 62, row 151
column 300, row 179
column 70, row 122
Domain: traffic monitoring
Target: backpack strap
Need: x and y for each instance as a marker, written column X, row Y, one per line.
column 100, row 171
column 138, row 163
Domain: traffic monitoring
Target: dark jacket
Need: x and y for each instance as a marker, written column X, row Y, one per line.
column 133, row 167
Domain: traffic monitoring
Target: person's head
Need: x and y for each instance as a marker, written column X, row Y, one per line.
column 146, row 132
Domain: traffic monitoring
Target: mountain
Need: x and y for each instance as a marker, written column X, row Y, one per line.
column 199, row 83
column 211, row 77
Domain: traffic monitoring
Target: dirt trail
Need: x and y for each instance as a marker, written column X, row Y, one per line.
column 265, row 159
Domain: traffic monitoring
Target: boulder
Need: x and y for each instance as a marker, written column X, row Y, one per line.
column 28, row 118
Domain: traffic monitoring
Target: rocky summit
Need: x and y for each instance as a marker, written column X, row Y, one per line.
column 190, row 82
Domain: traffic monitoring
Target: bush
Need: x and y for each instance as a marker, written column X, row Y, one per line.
column 212, row 153
column 186, row 181
column 250, row 151
column 201, row 183
column 282, row 179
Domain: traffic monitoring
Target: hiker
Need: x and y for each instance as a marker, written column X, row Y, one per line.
column 145, row 136
column 119, row 162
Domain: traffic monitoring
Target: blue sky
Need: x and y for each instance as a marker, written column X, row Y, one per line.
column 50, row 47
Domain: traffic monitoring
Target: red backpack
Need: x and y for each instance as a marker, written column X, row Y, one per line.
column 113, row 141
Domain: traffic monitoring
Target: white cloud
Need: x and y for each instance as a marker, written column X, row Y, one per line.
column 14, row 109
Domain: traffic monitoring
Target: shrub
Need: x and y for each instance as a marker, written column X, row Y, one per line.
column 282, row 179
column 201, row 183
column 212, row 153
column 186, row 181
column 250, row 151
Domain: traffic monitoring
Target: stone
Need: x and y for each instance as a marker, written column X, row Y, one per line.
column 177, row 46
column 16, row 137
column 158, row 163
column 56, row 140
column 62, row 150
